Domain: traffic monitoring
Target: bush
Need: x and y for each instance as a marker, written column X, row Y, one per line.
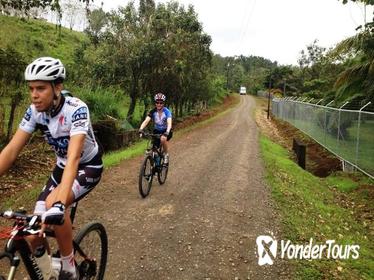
column 101, row 102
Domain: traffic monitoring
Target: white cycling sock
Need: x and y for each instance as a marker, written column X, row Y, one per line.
column 68, row 263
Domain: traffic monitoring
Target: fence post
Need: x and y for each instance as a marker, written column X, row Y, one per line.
column 339, row 121
column 358, row 130
column 325, row 126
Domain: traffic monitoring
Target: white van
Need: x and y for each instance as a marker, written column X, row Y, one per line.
column 243, row 90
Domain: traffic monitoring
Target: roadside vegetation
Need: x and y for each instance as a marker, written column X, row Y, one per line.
column 338, row 207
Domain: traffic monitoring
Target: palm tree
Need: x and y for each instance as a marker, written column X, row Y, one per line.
column 357, row 81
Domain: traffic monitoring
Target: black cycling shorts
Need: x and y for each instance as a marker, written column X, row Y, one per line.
column 88, row 176
column 156, row 142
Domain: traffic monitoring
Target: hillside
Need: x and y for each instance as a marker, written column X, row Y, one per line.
column 35, row 38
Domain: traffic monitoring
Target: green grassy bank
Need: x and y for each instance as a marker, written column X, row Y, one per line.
column 323, row 209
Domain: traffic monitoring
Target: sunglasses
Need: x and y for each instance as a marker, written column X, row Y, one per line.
column 158, row 102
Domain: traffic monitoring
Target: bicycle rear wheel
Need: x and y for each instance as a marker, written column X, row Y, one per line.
column 92, row 240
column 162, row 172
column 146, row 176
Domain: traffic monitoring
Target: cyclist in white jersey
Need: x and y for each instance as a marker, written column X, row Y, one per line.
column 65, row 123
column 162, row 118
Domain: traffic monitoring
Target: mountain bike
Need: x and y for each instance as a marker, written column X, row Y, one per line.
column 90, row 247
column 153, row 164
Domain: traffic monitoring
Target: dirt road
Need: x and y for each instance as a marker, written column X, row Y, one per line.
column 203, row 223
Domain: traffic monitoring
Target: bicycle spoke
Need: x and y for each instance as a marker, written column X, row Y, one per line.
column 92, row 241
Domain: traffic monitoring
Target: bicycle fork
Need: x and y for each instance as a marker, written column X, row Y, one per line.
column 14, row 263
column 28, row 259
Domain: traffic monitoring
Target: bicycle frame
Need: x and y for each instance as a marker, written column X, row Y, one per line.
column 152, row 148
column 24, row 226
column 17, row 243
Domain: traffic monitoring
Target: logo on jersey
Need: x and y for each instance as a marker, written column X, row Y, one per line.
column 62, row 120
column 71, row 103
column 80, row 114
column 27, row 115
column 80, row 124
column 59, row 144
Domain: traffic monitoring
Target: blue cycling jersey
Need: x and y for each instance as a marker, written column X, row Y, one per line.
column 160, row 119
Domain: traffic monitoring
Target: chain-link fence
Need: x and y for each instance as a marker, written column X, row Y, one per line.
column 346, row 132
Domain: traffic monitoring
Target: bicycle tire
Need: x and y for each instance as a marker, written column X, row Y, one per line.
column 146, row 176
column 88, row 238
column 162, row 173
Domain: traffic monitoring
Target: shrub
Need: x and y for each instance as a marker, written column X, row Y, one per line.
column 101, row 102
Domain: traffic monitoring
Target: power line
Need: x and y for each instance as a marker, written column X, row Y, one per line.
column 246, row 21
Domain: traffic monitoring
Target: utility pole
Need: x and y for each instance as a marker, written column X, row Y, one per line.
column 268, row 116
column 227, row 78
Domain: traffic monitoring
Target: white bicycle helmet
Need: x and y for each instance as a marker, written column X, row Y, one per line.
column 159, row 96
column 45, row 69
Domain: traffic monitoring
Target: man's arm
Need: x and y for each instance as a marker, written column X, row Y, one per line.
column 11, row 151
column 169, row 123
column 145, row 123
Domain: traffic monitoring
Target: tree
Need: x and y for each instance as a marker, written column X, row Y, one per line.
column 357, row 81
column 151, row 48
column 97, row 19
column 72, row 12
column 11, row 79
column 25, row 6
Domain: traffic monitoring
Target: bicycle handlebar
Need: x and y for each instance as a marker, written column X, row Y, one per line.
column 31, row 220
column 146, row 134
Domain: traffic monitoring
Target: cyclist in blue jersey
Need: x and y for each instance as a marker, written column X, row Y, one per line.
column 162, row 118
column 65, row 123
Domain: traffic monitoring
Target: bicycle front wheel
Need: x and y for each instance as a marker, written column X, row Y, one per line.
column 162, row 172
column 146, row 176
column 91, row 251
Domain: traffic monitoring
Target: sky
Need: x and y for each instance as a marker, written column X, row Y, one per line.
column 274, row 29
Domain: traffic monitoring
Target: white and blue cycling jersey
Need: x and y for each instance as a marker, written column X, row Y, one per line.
column 160, row 120
column 71, row 118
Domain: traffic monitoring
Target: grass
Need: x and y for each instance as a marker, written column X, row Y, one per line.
column 26, row 198
column 34, row 38
column 312, row 207
column 116, row 157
